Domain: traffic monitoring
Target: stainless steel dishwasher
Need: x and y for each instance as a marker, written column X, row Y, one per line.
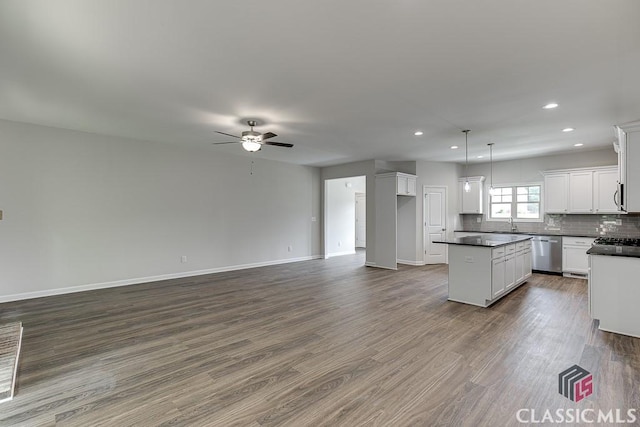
column 546, row 254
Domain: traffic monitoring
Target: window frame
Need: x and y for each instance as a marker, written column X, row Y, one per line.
column 514, row 201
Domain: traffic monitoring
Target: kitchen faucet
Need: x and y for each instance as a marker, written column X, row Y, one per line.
column 513, row 226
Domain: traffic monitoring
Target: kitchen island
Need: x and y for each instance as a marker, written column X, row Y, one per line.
column 483, row 269
column 614, row 292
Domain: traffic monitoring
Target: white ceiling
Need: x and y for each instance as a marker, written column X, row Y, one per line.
column 342, row 80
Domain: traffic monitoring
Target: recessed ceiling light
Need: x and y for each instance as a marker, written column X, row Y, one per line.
column 568, row 130
column 418, row 133
column 480, row 157
column 579, row 144
column 550, row 106
column 454, row 147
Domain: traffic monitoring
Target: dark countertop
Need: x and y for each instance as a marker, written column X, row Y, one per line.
column 487, row 241
column 546, row 233
column 615, row 250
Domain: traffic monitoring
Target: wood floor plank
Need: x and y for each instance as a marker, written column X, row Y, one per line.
column 318, row 343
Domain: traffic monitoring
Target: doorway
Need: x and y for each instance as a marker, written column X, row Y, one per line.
column 345, row 215
column 435, row 224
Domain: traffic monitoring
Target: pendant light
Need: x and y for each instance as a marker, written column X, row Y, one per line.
column 467, row 187
column 491, row 191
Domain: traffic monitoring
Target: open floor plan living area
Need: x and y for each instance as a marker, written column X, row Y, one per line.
column 313, row 343
column 243, row 213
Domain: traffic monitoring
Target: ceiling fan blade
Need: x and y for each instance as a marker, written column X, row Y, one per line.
column 278, row 144
column 228, row 142
column 228, row 134
column 268, row 135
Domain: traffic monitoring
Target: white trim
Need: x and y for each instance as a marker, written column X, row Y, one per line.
column 407, row 262
column 370, row 264
column 332, row 254
column 139, row 280
column 592, row 168
column 380, row 266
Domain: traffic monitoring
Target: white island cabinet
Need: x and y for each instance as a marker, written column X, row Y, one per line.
column 484, row 268
column 614, row 291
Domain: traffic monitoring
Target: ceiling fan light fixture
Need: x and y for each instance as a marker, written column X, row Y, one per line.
column 251, row 145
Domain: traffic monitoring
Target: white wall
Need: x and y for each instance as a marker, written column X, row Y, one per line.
column 340, row 214
column 84, row 210
column 529, row 170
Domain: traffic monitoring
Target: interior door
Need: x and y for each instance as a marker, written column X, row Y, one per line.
column 361, row 220
column 435, row 224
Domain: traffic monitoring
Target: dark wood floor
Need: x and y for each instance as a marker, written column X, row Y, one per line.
column 324, row 342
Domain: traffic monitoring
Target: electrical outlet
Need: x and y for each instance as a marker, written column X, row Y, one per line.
column 183, row 258
column 313, row 219
column 478, row 220
column 289, row 248
column 339, row 243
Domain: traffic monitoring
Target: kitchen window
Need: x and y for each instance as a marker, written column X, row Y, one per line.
column 521, row 202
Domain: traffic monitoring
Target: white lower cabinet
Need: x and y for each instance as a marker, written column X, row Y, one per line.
column 519, row 266
column 614, row 294
column 527, row 263
column 523, row 261
column 575, row 261
column 510, row 266
column 509, row 271
column 497, row 277
column 481, row 275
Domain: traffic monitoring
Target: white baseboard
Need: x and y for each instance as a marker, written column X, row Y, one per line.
column 370, row 264
column 407, row 262
column 575, row 275
column 138, row 280
column 380, row 266
column 340, row 254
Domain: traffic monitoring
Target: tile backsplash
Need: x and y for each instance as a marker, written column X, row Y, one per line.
column 579, row 225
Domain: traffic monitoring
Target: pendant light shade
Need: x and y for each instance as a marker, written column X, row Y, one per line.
column 491, row 190
column 467, row 186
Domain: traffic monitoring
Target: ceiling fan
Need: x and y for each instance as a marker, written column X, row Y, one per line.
column 252, row 140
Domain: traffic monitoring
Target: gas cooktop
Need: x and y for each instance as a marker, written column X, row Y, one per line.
column 619, row 241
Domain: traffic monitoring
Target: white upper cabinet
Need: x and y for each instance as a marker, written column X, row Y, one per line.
column 470, row 202
column 605, row 185
column 628, row 196
column 406, row 184
column 581, row 191
column 556, row 190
